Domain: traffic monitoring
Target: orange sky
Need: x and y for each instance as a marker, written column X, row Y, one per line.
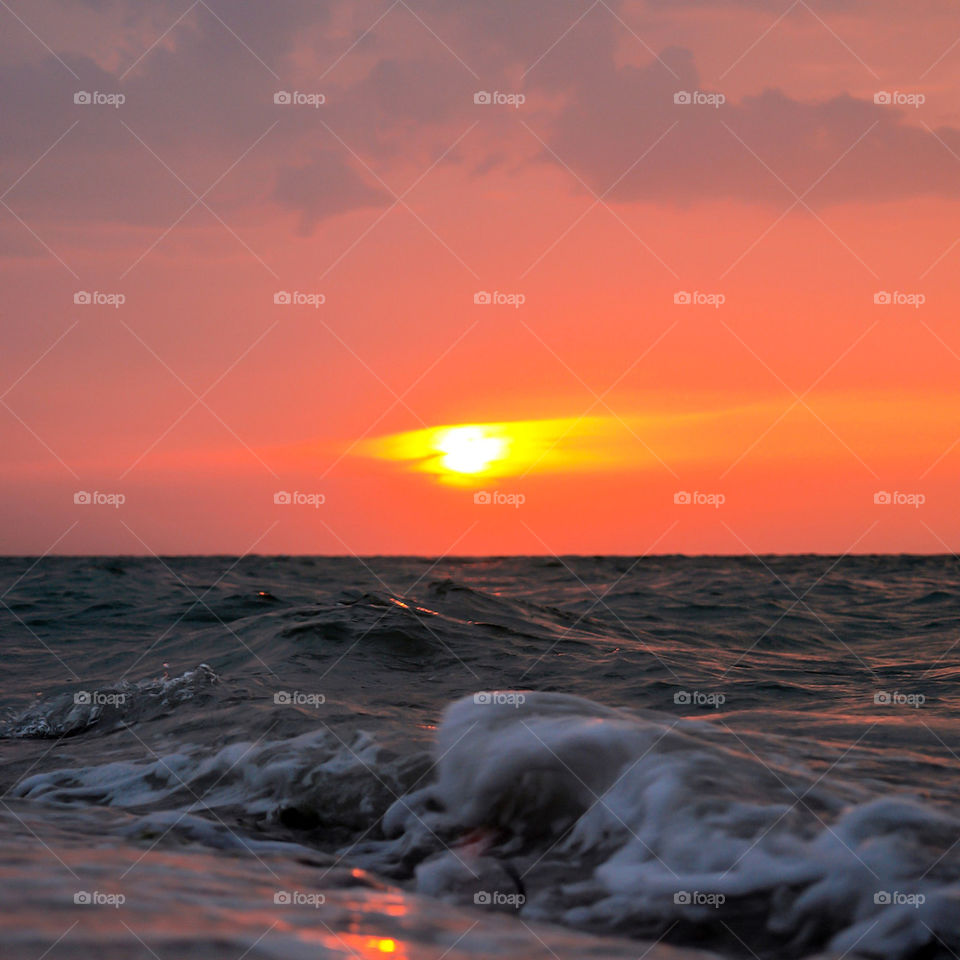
column 798, row 201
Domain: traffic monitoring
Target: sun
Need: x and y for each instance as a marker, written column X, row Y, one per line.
column 469, row 449
column 459, row 453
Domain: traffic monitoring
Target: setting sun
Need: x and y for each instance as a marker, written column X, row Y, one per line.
column 456, row 452
column 470, row 449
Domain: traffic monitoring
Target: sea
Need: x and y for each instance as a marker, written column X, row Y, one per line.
column 460, row 758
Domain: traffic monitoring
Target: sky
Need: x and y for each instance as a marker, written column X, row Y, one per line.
column 418, row 277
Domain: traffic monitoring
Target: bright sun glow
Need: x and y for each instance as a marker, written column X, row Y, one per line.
column 469, row 449
column 462, row 453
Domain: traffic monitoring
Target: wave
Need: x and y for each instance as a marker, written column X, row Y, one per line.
column 72, row 713
column 620, row 824
column 578, row 813
column 315, row 783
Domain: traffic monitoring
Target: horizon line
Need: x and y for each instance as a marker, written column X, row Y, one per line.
column 476, row 556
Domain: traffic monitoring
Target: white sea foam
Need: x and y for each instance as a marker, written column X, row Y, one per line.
column 566, row 810
column 347, row 782
column 73, row 712
column 669, row 827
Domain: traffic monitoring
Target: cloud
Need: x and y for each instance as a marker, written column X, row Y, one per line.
column 849, row 150
column 399, row 95
column 324, row 187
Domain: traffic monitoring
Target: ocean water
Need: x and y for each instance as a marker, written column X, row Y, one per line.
column 523, row 757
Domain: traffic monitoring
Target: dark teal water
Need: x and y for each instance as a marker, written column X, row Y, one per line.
column 779, row 732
